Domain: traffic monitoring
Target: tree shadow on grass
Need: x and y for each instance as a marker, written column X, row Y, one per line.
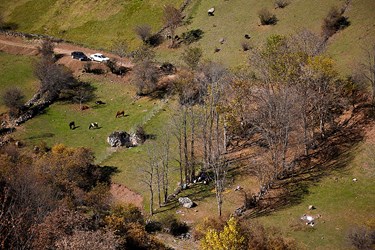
column 334, row 153
column 196, row 193
column 106, row 173
column 41, row 136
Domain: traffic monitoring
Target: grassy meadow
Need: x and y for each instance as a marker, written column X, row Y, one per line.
column 98, row 23
column 16, row 71
column 93, row 23
column 342, row 203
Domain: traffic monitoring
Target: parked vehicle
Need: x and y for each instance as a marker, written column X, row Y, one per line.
column 99, row 57
column 79, row 55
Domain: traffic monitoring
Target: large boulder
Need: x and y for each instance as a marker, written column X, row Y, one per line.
column 119, row 139
column 186, row 202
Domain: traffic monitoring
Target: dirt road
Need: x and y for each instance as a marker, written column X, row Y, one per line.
column 20, row 46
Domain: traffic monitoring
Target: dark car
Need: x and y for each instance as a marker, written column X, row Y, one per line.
column 79, row 56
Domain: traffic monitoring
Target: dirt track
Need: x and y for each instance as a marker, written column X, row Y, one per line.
column 20, row 46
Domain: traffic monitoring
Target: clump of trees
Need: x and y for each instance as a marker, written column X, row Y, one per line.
column 59, row 199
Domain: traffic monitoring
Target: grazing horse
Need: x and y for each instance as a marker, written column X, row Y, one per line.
column 72, row 125
column 99, row 102
column 120, row 113
column 94, row 125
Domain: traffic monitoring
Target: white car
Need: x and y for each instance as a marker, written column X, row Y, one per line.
column 99, row 57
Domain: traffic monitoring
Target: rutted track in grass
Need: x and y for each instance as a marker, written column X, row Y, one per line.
column 147, row 118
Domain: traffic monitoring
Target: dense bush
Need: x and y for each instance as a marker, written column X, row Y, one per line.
column 174, row 226
column 178, row 227
column 266, row 17
column 334, row 22
column 13, row 98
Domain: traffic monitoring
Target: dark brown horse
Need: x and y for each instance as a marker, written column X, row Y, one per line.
column 120, row 113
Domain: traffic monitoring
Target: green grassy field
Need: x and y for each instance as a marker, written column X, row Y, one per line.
column 93, row 23
column 342, row 204
column 52, row 126
column 16, row 71
column 98, row 24
column 234, row 19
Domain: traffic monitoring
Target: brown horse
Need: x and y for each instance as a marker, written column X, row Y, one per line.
column 120, row 113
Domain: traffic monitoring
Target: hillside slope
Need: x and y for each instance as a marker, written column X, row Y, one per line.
column 99, row 23
column 91, row 22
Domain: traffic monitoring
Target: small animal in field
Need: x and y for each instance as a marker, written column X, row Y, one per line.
column 84, row 107
column 120, row 113
column 99, row 102
column 93, row 125
column 72, row 125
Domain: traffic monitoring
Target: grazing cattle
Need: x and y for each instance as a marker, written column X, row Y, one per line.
column 211, row 11
column 99, row 102
column 120, row 113
column 247, row 36
column 84, row 107
column 94, row 125
column 72, row 125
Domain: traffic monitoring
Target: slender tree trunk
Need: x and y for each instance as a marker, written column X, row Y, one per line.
column 192, row 142
column 185, row 149
column 158, row 179
column 151, row 200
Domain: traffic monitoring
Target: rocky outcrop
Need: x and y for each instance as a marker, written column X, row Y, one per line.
column 123, row 139
column 186, row 202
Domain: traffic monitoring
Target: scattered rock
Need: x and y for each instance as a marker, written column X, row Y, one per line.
column 186, row 202
column 119, row 138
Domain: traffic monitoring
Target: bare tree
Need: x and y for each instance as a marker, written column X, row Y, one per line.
column 369, row 70
column 214, row 78
column 143, row 32
column 148, row 178
column 53, row 78
column 172, row 19
column 46, row 50
column 146, row 76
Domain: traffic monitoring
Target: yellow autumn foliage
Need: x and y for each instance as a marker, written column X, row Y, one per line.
column 230, row 238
